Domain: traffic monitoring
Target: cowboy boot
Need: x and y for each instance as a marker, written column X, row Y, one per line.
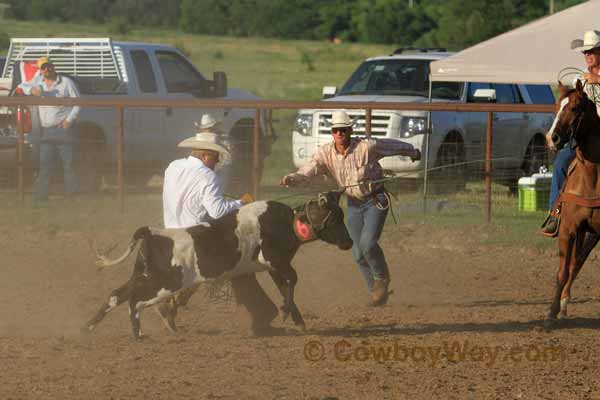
column 380, row 294
column 550, row 226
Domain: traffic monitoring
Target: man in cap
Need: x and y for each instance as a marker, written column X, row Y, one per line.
column 353, row 163
column 589, row 46
column 56, row 123
column 192, row 195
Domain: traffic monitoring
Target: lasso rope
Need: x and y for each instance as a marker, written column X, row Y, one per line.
column 592, row 89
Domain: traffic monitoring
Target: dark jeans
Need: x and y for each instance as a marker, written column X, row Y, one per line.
column 365, row 224
column 49, row 151
column 561, row 166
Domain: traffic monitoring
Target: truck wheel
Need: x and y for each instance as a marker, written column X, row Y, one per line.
column 535, row 156
column 91, row 150
column 239, row 176
column 449, row 175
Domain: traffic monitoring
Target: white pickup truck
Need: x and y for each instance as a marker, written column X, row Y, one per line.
column 457, row 138
column 102, row 67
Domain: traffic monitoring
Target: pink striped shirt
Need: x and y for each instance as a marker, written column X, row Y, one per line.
column 357, row 167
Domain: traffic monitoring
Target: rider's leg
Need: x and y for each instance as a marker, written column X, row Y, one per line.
column 559, row 175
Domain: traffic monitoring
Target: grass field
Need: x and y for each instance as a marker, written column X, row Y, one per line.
column 274, row 69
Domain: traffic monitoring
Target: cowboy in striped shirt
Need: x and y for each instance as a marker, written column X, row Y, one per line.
column 353, row 163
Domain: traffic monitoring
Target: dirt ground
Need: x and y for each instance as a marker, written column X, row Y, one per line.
column 464, row 323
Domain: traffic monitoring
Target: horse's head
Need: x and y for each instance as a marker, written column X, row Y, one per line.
column 322, row 218
column 573, row 106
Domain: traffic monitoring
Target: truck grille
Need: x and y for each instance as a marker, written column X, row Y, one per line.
column 379, row 123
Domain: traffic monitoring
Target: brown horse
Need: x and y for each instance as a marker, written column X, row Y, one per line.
column 579, row 229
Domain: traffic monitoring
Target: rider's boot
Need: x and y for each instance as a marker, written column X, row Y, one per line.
column 550, row 226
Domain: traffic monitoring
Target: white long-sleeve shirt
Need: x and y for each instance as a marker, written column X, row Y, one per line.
column 192, row 195
column 51, row 116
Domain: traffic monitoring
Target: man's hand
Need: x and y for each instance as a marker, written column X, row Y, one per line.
column 246, row 198
column 36, row 91
column 591, row 78
column 66, row 124
column 416, row 155
column 550, row 142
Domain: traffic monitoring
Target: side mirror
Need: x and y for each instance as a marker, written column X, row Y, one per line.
column 484, row 96
column 329, row 91
column 220, row 84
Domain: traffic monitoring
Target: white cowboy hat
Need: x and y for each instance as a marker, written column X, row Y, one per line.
column 340, row 119
column 205, row 141
column 591, row 40
column 206, row 122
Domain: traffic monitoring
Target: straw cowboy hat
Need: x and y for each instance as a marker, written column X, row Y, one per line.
column 591, row 40
column 207, row 122
column 340, row 119
column 41, row 61
column 205, row 141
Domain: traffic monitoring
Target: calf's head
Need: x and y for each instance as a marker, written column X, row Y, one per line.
column 322, row 218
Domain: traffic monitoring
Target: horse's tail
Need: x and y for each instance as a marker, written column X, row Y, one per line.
column 140, row 233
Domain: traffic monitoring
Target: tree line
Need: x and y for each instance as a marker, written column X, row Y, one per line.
column 453, row 24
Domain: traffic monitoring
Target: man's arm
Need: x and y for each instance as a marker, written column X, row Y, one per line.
column 379, row 148
column 213, row 201
column 71, row 91
column 316, row 166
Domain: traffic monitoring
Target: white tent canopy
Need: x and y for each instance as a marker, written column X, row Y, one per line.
column 533, row 53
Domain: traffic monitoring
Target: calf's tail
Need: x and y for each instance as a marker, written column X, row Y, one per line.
column 140, row 233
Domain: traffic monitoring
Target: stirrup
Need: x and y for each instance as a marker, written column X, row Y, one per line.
column 553, row 233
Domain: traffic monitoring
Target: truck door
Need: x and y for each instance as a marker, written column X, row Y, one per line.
column 144, row 149
column 475, row 130
column 508, row 127
column 182, row 81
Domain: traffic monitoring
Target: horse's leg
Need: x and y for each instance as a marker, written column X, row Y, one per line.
column 565, row 246
column 583, row 248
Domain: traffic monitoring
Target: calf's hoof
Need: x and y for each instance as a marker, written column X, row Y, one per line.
column 550, row 323
column 167, row 314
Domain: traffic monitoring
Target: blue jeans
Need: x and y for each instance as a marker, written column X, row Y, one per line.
column 365, row 224
column 561, row 166
column 48, row 152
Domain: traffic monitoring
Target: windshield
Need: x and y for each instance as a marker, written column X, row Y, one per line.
column 398, row 77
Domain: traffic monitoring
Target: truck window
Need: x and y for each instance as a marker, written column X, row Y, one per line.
column 143, row 71
column 540, row 94
column 504, row 93
column 473, row 86
column 179, row 75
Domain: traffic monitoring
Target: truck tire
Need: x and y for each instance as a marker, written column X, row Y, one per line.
column 536, row 155
column 449, row 175
column 90, row 156
column 239, row 176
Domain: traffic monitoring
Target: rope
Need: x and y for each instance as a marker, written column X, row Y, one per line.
column 593, row 90
column 400, row 176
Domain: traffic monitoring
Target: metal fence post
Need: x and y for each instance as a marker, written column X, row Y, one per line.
column 20, row 157
column 120, row 163
column 256, row 155
column 488, row 167
column 368, row 122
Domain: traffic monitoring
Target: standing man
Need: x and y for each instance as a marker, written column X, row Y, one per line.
column 192, row 195
column 353, row 163
column 56, row 123
column 590, row 48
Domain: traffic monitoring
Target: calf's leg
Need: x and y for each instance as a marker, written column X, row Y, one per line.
column 283, row 289
column 117, row 297
column 251, row 295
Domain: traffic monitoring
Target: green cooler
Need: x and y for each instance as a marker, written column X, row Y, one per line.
column 534, row 192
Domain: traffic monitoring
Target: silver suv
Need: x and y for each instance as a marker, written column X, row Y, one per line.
column 457, row 137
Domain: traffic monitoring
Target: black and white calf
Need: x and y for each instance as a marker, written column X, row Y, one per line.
column 261, row 236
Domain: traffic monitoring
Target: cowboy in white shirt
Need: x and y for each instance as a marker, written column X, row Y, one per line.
column 192, row 195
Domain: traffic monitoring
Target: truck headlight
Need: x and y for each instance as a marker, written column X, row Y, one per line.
column 412, row 126
column 303, row 124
